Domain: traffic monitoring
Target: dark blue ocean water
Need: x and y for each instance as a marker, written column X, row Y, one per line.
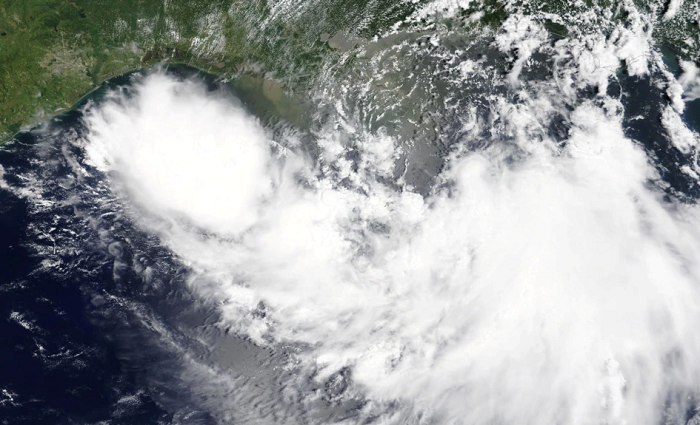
column 56, row 365
column 74, row 310
column 94, row 313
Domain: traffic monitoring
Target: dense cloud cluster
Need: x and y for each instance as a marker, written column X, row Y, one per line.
column 557, row 288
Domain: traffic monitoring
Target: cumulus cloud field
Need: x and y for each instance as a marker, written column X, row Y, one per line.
column 556, row 288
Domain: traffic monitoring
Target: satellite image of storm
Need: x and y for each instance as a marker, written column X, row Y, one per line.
column 356, row 212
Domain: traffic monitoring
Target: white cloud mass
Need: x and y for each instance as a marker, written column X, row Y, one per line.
column 554, row 289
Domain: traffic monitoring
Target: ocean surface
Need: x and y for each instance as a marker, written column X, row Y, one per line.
column 511, row 239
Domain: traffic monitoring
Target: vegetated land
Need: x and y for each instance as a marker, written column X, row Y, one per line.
column 53, row 52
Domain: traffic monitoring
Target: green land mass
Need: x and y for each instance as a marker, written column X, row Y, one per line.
column 53, row 52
